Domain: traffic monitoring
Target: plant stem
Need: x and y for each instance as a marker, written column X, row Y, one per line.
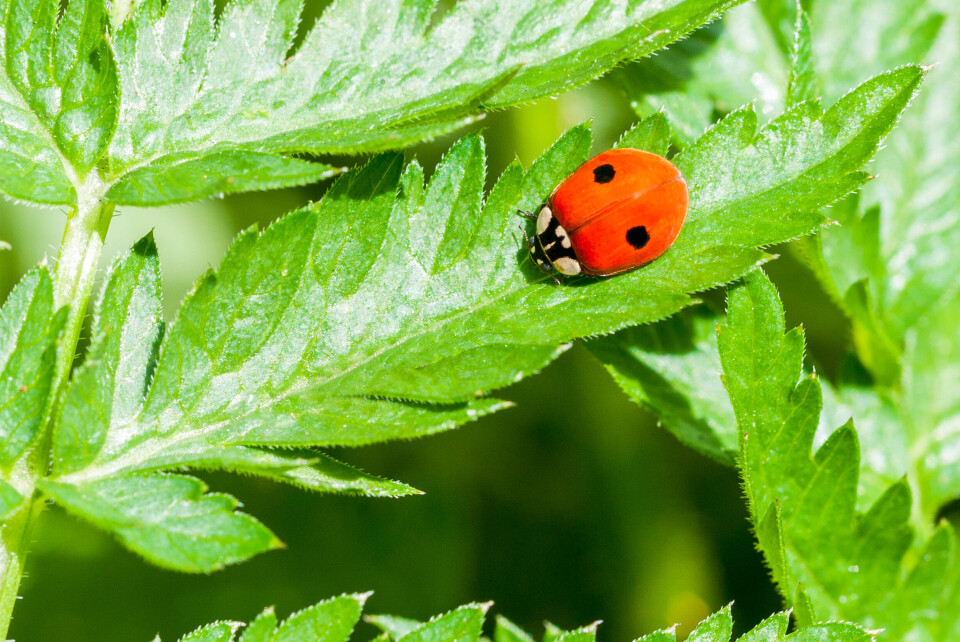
column 76, row 270
column 14, row 539
column 73, row 282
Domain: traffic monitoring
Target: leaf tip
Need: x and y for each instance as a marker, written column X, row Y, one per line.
column 361, row 598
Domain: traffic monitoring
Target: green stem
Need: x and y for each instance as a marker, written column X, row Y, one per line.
column 73, row 282
column 14, row 538
column 76, row 270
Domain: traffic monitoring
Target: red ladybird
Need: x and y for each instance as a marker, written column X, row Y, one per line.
column 619, row 210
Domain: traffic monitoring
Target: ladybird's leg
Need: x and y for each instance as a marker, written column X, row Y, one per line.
column 526, row 214
column 528, row 240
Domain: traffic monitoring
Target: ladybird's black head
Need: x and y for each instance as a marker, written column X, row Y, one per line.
column 638, row 237
column 603, row 173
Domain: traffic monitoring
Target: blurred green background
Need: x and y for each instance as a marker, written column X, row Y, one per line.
column 572, row 507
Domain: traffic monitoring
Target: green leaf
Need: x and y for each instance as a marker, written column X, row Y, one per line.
column 393, row 626
column 719, row 628
column 892, row 32
column 668, row 635
column 931, row 367
column 334, row 619
column 232, row 96
column 507, row 631
column 850, row 565
column 586, row 633
column 463, row 624
column 369, row 316
column 716, row 628
column 169, row 519
column 58, row 97
column 803, row 83
column 388, row 309
column 188, row 176
column 753, row 172
column 262, row 628
column 173, row 101
column 749, row 56
column 662, row 367
column 107, row 390
column 107, row 393
column 10, row 500
column 772, row 628
column 778, row 168
column 919, row 197
column 892, row 261
column 29, row 329
column 331, row 620
column 651, row 134
column 716, row 70
column 884, row 445
column 215, row 632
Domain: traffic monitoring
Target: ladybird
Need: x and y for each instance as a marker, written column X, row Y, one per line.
column 619, row 210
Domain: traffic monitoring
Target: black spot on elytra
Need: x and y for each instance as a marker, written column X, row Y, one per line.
column 603, row 173
column 638, row 237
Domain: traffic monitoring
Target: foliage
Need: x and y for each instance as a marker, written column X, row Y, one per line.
column 823, row 553
column 333, row 620
column 171, row 102
column 837, row 527
column 379, row 315
column 394, row 306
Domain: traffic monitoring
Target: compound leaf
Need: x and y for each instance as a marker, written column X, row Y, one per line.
column 804, row 505
column 379, row 313
column 171, row 101
column 211, row 98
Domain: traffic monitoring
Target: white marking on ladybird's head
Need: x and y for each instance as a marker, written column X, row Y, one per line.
column 563, row 236
column 549, row 245
column 566, row 265
column 543, row 219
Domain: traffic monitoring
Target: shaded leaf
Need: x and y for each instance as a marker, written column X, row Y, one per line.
column 393, row 626
column 670, row 367
column 507, row 631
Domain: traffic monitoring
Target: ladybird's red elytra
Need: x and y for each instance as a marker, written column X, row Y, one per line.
column 617, row 211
